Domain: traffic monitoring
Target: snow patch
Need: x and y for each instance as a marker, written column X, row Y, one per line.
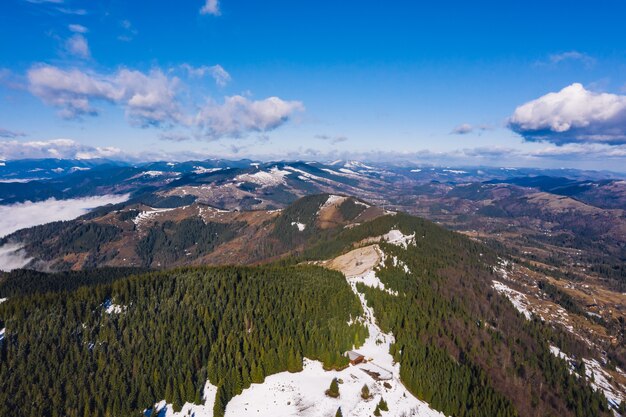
column 396, row 237
column 272, row 178
column 332, row 200
column 519, row 300
column 300, row 226
column 189, row 410
column 146, row 215
column 111, row 308
column 203, row 170
column 598, row 378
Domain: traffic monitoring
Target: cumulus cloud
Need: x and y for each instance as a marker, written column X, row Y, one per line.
column 11, row 134
column 211, row 7
column 572, row 115
column 332, row 139
column 152, row 99
column 21, row 215
column 219, row 74
column 239, row 115
column 466, row 128
column 148, row 98
column 77, row 45
column 56, row 148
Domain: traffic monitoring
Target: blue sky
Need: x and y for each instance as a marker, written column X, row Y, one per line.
column 460, row 83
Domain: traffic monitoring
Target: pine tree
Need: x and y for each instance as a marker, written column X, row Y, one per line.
column 365, row 392
column 339, row 413
column 333, row 391
column 382, row 404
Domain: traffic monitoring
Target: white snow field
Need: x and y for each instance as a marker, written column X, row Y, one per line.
column 303, row 393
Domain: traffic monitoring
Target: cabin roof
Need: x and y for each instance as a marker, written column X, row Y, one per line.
column 352, row 355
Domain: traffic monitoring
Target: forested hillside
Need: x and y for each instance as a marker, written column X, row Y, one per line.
column 115, row 347
column 68, row 355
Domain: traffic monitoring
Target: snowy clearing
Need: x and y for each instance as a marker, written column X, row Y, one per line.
column 396, row 237
column 303, row 393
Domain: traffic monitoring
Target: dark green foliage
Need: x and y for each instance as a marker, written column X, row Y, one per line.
column 189, row 238
column 333, row 390
column 382, row 405
column 63, row 355
column 561, row 298
column 25, row 282
column 302, row 211
column 350, row 209
column 127, row 215
column 339, row 413
column 377, row 411
column 67, row 237
column 365, row 392
column 158, row 201
column 447, row 360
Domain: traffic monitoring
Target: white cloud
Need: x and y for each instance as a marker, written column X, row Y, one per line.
column 56, row 148
column 12, row 257
column 21, row 215
column 152, row 99
column 572, row 56
column 211, row 7
column 463, row 129
column 239, row 115
column 149, row 98
column 129, row 31
column 77, row 28
column 466, row 128
column 572, row 115
column 77, row 45
column 219, row 74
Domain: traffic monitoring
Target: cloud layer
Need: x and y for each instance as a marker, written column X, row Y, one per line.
column 572, row 115
column 56, row 148
column 18, row 216
column 12, row 257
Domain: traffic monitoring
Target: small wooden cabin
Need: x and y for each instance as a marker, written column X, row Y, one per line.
column 355, row 357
